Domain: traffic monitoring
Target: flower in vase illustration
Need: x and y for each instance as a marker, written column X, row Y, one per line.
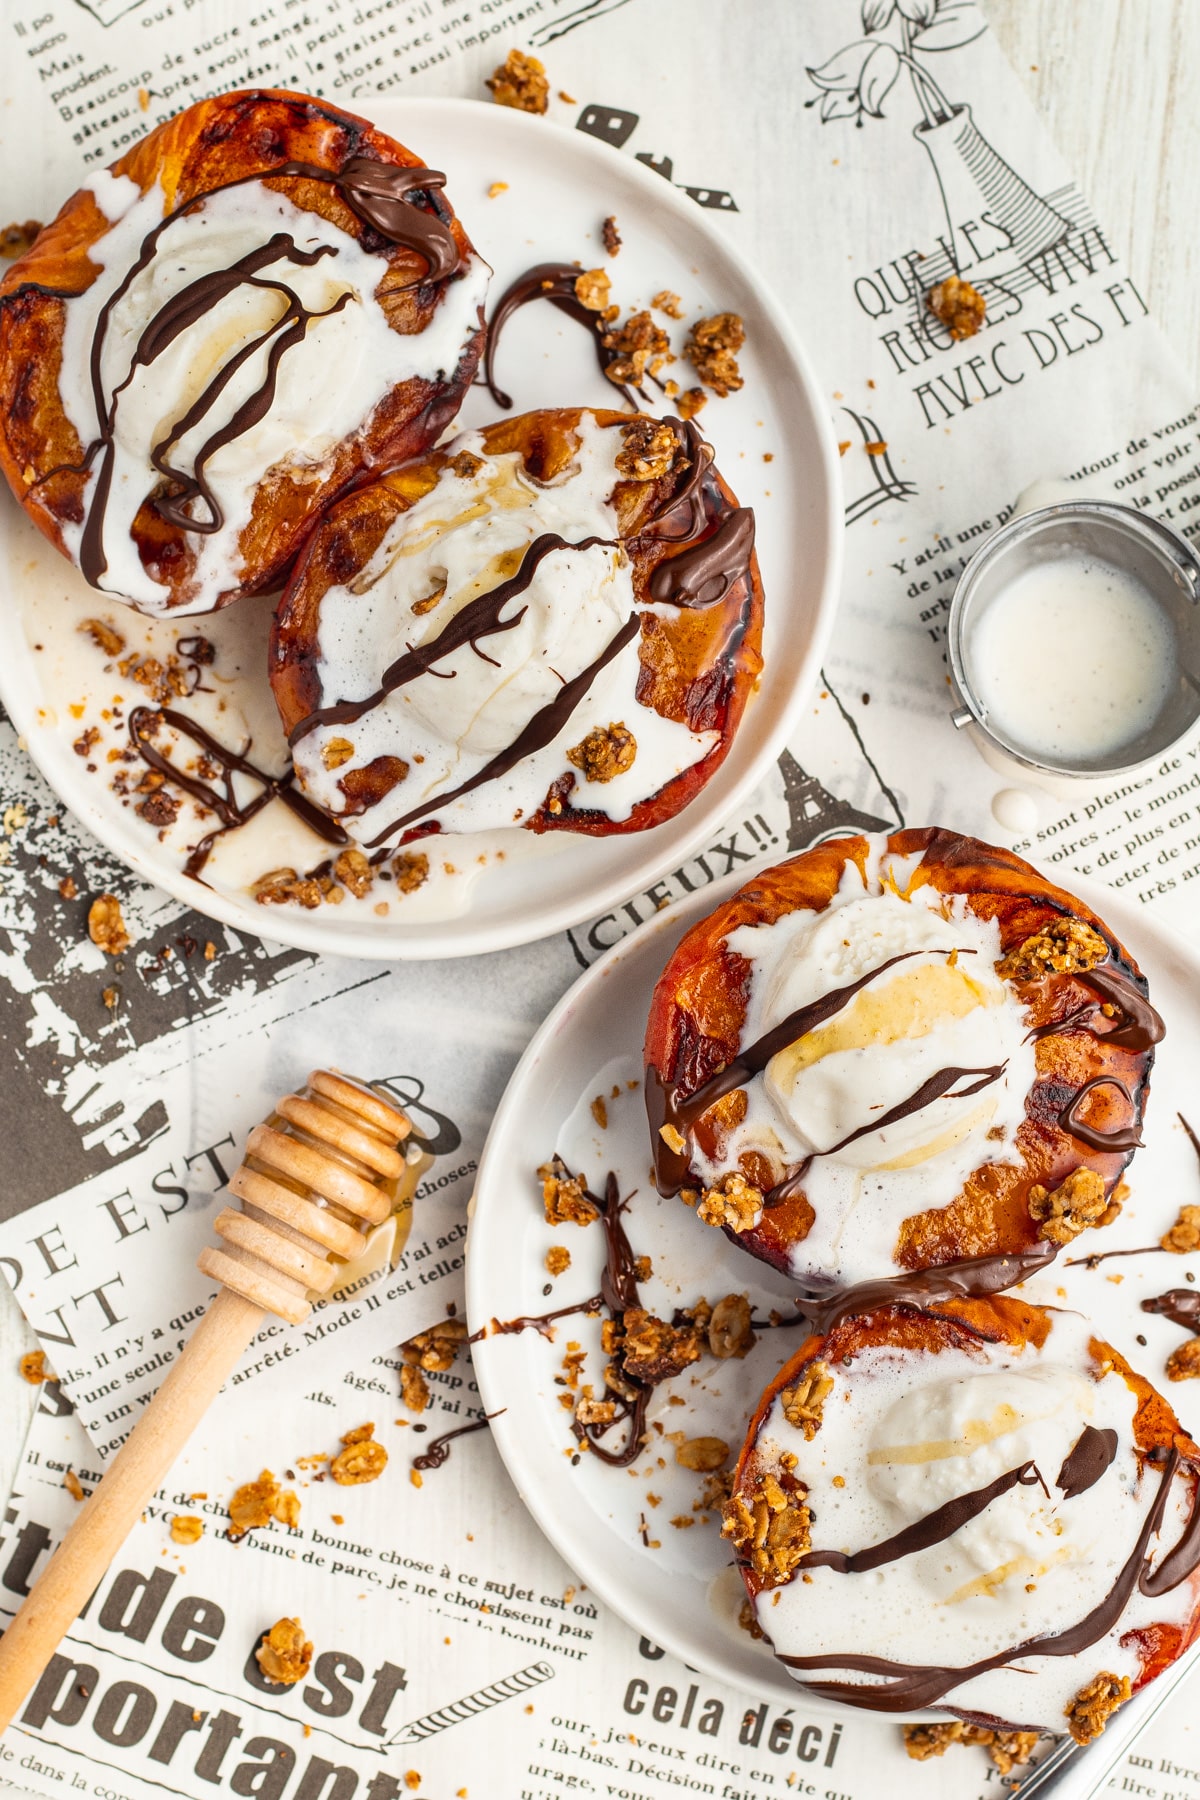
column 973, row 178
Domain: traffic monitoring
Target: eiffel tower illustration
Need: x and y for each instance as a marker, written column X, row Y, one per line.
column 815, row 814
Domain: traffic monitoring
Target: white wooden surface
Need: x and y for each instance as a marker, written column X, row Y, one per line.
column 1113, row 79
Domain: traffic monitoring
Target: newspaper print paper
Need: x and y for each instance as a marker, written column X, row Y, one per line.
column 903, row 153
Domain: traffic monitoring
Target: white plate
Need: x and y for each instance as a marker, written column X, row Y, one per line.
column 684, row 1595
column 561, row 183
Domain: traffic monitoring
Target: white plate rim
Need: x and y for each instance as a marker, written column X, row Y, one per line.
column 592, row 1566
column 469, row 935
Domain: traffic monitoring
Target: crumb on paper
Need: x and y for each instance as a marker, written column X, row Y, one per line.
column 558, row 1259
column 416, row 1478
column 16, row 239
column 210, row 951
column 412, row 1779
column 648, row 448
column 520, row 81
column 729, row 1329
column 411, row 870
column 187, row 1528
column 667, row 302
column 1184, row 1234
column 1070, row 1208
column 772, row 1529
column 68, row 888
column 33, row 1368
column 605, row 753
column 712, row 348
column 414, row 1389
column 497, row 188
column 105, row 636
column 73, row 1485
column 436, row 1347
column 354, row 872
column 106, row 925
column 564, row 1195
column 335, row 751
column 593, row 289
column 1089, row 1712
column 876, row 447
column 732, row 1201
column 285, row 1654
column 804, row 1403
column 1060, row 948
column 256, row 1503
column 567, row 100
column 704, row 1455
column 959, row 306
column 360, row 1459
column 599, row 1111
column 610, row 236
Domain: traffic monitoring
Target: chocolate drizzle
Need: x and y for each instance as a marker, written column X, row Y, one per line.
column 380, row 194
column 143, row 722
column 1125, row 1137
column 934, row 1528
column 1180, row 1305
column 1087, row 1460
column 967, row 1278
column 555, row 282
column 438, row 1451
column 542, row 1323
column 693, row 492
column 915, row 1685
column 479, row 618
column 1141, row 1026
column 703, row 574
column 664, row 1107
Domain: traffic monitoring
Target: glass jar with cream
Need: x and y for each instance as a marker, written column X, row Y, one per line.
column 1074, row 640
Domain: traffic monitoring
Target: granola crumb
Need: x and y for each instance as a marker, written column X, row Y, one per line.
column 772, row 1529
column 33, row 1368
column 959, row 306
column 16, row 239
column 732, row 1202
column 187, row 1528
column 690, row 401
column 465, row 465
column 335, row 751
column 285, row 1654
column 361, row 1459
column 414, row 1389
column 355, row 872
column 1093, row 1706
column 412, row 1779
column 648, row 448
column 256, row 1503
column 497, row 188
column 638, row 343
column 1184, row 1234
column 210, row 950
column 520, row 81
column 651, row 1350
column 1183, row 1364
column 436, row 1347
column 280, row 887
column 748, row 1620
column 924, row 1741
column 103, row 635
column 411, row 870
column 1076, row 1203
column 610, row 236
column 712, row 348
column 558, row 1259
column 703, row 1454
column 599, row 1111
column 667, row 302
column 416, row 1478
column 729, row 1331
column 68, row 888
column 106, row 925
column 73, row 1485
column 605, row 754
column 592, row 289
column 1060, row 948
column 804, row 1403
column 86, row 742
column 567, row 100
column 564, row 1195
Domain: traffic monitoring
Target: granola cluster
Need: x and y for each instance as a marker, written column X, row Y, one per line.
column 605, row 753
column 256, row 1503
column 712, row 348
column 1184, row 1234
column 1009, row 1750
column 1060, row 948
column 437, row 1347
column 106, row 925
column 33, row 1368
column 960, row 307
column 593, row 289
column 1079, row 1201
column 520, row 81
column 360, row 1458
column 650, row 1350
column 733, row 1202
column 1183, row 1364
column 285, row 1654
column 804, row 1403
column 564, row 1195
column 187, row 1528
column 772, row 1529
column 610, row 236
column 1093, row 1706
column 639, row 347
column 703, row 1454
column 647, row 449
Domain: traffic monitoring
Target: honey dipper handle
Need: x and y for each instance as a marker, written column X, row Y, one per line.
column 106, row 1518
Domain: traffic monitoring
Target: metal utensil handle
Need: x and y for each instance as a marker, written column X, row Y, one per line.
column 1079, row 1771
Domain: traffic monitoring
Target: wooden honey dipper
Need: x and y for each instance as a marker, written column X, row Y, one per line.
column 326, row 1164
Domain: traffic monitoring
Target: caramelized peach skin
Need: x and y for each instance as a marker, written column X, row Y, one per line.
column 699, row 666
column 212, row 143
column 699, row 1008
